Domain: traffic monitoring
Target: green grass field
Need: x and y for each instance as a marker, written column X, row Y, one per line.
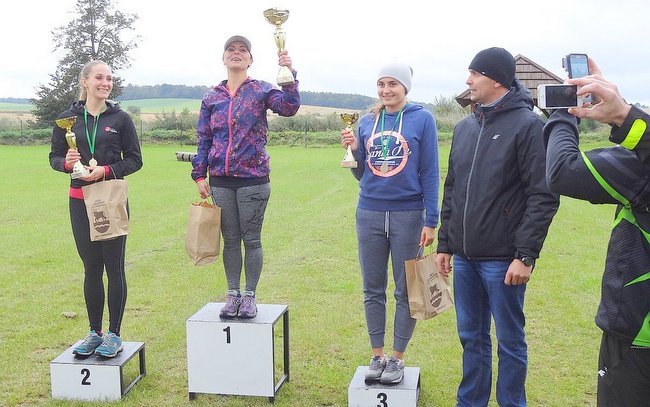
column 310, row 264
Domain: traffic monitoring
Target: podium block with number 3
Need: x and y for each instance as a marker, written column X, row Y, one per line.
column 404, row 394
column 236, row 356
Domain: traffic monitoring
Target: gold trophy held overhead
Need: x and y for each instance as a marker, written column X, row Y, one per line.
column 349, row 119
column 78, row 170
column 277, row 17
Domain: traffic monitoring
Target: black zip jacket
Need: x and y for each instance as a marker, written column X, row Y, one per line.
column 613, row 175
column 496, row 204
column 116, row 142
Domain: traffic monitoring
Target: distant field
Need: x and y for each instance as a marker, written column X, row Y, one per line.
column 163, row 104
column 170, row 104
column 167, row 105
column 304, row 109
column 15, row 107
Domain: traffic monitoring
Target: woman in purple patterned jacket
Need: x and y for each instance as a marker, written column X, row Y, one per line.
column 231, row 140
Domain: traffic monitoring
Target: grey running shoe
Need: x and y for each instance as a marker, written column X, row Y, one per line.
column 248, row 307
column 88, row 346
column 232, row 306
column 111, row 346
column 376, row 368
column 394, row 371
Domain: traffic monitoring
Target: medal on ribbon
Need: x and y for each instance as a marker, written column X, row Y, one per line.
column 91, row 144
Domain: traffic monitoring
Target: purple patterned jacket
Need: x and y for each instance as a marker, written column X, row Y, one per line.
column 231, row 132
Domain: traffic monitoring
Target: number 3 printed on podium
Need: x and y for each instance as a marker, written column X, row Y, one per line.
column 382, row 400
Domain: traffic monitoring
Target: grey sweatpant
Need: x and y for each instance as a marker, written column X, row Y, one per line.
column 242, row 215
column 380, row 234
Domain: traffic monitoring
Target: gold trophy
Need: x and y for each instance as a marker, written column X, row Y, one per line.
column 277, row 17
column 78, row 169
column 349, row 119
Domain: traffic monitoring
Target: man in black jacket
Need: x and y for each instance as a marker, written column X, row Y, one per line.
column 496, row 211
column 616, row 175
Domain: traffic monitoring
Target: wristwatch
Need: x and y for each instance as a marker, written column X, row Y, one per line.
column 527, row 260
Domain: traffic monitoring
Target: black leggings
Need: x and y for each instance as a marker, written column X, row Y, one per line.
column 96, row 256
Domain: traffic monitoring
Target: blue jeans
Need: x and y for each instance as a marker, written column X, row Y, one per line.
column 479, row 294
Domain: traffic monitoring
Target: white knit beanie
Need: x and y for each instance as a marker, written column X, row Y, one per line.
column 398, row 71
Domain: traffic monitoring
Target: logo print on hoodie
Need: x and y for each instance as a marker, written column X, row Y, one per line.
column 397, row 157
column 109, row 129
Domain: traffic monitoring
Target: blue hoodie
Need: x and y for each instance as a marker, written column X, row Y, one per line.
column 411, row 178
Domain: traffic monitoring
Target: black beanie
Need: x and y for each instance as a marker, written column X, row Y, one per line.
column 495, row 63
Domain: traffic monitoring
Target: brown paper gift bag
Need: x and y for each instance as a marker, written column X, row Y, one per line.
column 106, row 208
column 428, row 291
column 203, row 235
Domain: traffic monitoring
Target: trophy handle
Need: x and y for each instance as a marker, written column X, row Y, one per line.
column 280, row 38
column 285, row 77
column 348, row 159
column 277, row 17
column 71, row 138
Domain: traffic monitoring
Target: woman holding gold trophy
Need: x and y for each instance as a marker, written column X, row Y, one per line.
column 231, row 150
column 107, row 148
column 397, row 212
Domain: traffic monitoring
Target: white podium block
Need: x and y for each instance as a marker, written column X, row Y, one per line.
column 236, row 356
column 95, row 378
column 404, row 394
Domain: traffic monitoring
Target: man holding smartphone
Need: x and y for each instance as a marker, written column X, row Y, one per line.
column 617, row 175
column 495, row 215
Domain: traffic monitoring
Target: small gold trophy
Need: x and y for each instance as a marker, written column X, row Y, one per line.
column 277, row 17
column 78, row 169
column 349, row 119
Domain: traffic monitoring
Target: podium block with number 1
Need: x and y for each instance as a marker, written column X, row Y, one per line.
column 236, row 356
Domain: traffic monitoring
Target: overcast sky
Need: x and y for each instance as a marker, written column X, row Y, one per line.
column 339, row 45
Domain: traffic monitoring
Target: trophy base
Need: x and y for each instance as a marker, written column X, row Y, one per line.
column 285, row 77
column 348, row 164
column 79, row 171
column 76, row 175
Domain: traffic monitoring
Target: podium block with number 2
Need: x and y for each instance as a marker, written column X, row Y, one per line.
column 236, row 356
column 96, row 378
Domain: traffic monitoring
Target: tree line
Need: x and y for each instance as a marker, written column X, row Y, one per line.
column 323, row 99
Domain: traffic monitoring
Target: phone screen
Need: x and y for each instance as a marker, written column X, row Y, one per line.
column 578, row 66
column 561, row 96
